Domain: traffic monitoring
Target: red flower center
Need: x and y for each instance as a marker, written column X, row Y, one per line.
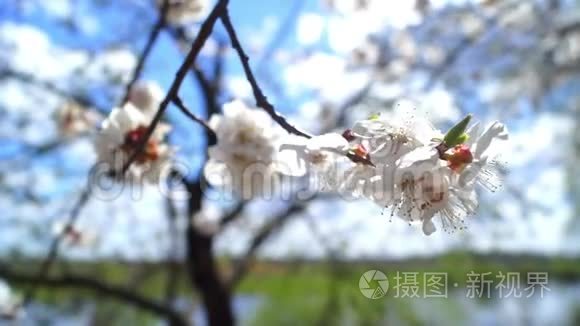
column 361, row 151
column 459, row 157
column 132, row 139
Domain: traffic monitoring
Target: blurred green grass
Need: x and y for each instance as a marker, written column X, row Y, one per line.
column 305, row 292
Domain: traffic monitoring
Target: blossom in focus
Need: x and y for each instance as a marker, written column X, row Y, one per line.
column 245, row 159
column 119, row 137
column 389, row 136
column 182, row 12
column 444, row 184
column 485, row 147
column 146, row 96
column 386, row 138
column 423, row 188
column 418, row 172
column 319, row 156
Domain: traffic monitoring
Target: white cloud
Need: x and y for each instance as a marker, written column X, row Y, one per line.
column 58, row 8
column 29, row 50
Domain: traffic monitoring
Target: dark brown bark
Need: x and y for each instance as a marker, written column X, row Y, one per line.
column 203, row 271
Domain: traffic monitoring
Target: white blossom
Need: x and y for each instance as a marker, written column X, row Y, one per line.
column 320, row 157
column 245, row 158
column 146, row 96
column 430, row 183
column 484, row 146
column 118, row 138
column 415, row 174
column 421, row 188
column 185, row 11
column 398, row 160
column 385, row 139
column 73, row 120
column 389, row 136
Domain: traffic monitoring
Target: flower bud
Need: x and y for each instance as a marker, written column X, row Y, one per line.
column 348, row 135
column 456, row 135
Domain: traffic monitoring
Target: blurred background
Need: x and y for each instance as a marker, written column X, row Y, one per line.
column 323, row 64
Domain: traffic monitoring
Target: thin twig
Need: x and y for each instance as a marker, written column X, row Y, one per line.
column 212, row 138
column 244, row 263
column 218, row 74
column 207, row 89
column 53, row 251
column 261, row 100
column 82, row 101
column 155, row 31
column 233, row 214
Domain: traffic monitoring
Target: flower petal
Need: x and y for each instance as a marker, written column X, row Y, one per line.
column 496, row 131
column 330, row 142
column 428, row 227
column 423, row 156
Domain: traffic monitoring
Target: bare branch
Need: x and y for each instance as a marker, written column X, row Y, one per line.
column 48, row 86
column 233, row 214
column 53, row 250
column 243, row 265
column 261, row 100
column 155, row 31
column 209, row 88
column 212, row 138
column 96, row 286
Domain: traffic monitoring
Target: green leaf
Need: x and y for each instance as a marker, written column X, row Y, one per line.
column 456, row 135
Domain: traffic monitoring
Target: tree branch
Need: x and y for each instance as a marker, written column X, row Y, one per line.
column 204, row 33
column 233, row 214
column 209, row 88
column 53, row 250
column 261, row 100
column 153, row 35
column 212, row 138
column 203, row 268
column 243, row 264
column 96, row 286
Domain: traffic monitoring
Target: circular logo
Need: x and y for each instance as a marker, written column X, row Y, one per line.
column 373, row 284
